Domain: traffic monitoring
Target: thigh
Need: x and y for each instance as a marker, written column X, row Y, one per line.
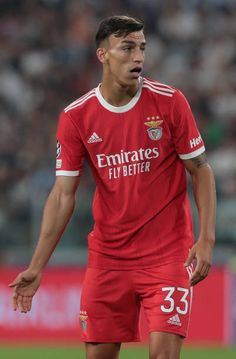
column 166, row 298
column 102, row 350
column 164, row 345
column 109, row 307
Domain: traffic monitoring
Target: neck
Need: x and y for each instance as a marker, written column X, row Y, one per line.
column 117, row 94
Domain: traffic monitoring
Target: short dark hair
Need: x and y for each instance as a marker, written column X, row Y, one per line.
column 117, row 25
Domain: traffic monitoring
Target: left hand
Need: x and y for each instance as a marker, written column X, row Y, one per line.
column 24, row 288
column 202, row 253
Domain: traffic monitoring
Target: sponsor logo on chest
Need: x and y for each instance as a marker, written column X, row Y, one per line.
column 127, row 163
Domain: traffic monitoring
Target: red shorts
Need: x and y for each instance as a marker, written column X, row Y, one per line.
column 111, row 301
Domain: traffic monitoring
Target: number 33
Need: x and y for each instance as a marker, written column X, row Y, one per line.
column 171, row 303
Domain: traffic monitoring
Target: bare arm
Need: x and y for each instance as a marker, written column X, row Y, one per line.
column 205, row 198
column 57, row 213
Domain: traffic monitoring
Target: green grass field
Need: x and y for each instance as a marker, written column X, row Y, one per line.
column 138, row 352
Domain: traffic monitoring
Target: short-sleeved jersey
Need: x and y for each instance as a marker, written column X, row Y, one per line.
column 141, row 210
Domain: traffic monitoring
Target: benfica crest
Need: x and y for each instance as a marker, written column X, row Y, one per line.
column 83, row 319
column 154, row 131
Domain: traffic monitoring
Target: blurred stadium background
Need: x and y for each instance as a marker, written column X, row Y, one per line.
column 47, row 59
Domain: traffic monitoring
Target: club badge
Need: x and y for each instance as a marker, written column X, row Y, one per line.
column 154, row 131
column 83, row 317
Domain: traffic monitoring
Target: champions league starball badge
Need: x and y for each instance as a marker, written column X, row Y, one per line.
column 154, row 131
column 58, row 149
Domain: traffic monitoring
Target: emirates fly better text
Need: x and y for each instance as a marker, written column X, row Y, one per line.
column 127, row 163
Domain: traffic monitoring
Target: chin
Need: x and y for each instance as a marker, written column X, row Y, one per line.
column 130, row 81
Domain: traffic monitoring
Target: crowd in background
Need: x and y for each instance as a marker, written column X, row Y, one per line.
column 47, row 59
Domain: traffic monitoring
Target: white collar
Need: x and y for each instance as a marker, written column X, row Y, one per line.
column 119, row 109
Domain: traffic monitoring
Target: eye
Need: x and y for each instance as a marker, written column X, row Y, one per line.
column 127, row 48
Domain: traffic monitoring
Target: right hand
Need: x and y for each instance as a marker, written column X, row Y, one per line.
column 24, row 287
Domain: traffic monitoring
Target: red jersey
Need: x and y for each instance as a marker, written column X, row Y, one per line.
column 141, row 209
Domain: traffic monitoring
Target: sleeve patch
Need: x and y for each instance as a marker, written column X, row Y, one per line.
column 58, row 164
column 58, row 148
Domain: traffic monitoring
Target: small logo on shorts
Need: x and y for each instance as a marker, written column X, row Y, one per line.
column 83, row 319
column 174, row 320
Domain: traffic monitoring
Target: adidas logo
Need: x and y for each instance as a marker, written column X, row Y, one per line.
column 175, row 320
column 94, row 138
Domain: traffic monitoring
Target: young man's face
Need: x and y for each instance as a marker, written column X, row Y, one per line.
column 125, row 57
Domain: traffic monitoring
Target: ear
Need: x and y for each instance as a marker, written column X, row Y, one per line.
column 102, row 55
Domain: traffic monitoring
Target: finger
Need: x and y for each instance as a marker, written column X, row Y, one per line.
column 14, row 301
column 29, row 303
column 14, row 283
column 197, row 276
column 190, row 259
column 20, row 303
column 26, row 304
column 205, row 270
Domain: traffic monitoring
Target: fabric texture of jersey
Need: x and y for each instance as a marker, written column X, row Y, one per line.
column 112, row 300
column 141, row 209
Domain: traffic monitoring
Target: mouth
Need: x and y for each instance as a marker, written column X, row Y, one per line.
column 136, row 71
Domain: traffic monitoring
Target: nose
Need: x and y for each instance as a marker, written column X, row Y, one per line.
column 138, row 56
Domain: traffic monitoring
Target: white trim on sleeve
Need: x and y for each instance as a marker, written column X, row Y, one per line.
column 67, row 173
column 193, row 154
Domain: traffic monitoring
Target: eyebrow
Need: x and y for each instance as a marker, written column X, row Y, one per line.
column 130, row 42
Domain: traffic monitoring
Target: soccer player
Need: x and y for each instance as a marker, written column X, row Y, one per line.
column 139, row 136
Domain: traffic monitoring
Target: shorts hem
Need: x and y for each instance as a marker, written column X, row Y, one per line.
column 124, row 340
column 182, row 334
